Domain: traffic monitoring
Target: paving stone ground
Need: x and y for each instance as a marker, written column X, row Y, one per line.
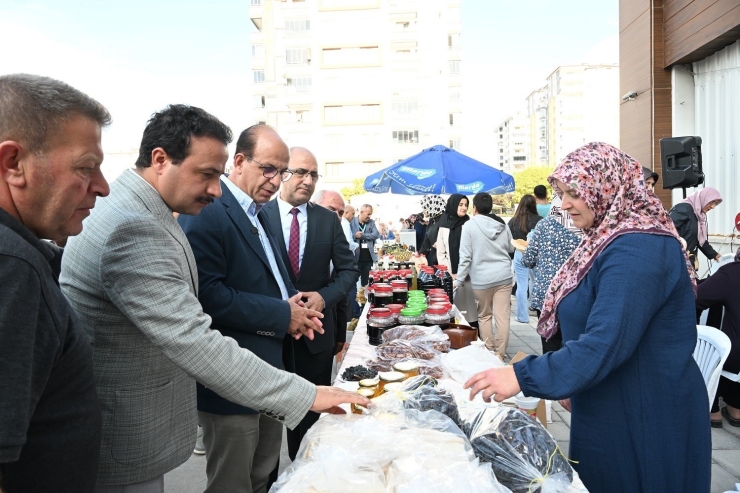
column 191, row 477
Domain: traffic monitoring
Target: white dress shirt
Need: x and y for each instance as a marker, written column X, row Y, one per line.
column 348, row 234
column 252, row 210
column 286, row 220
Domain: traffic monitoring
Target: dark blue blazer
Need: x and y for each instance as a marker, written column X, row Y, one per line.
column 236, row 287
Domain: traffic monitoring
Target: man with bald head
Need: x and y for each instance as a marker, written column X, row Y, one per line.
column 311, row 241
column 246, row 289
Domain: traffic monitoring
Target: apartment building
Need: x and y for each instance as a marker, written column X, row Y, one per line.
column 362, row 83
column 537, row 114
column 514, row 143
column 582, row 106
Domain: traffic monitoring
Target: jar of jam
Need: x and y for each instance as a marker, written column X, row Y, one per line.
column 411, row 316
column 383, row 295
column 437, row 315
column 370, row 294
column 392, row 387
column 378, row 321
column 400, row 291
column 386, row 377
column 408, row 368
column 369, row 393
column 407, row 276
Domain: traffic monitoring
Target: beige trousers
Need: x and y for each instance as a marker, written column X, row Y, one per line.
column 494, row 303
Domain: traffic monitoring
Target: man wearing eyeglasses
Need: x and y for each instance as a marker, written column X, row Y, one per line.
column 311, row 240
column 246, row 289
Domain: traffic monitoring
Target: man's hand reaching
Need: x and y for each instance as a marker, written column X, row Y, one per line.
column 328, row 400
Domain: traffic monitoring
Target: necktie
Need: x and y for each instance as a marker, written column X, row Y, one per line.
column 294, row 246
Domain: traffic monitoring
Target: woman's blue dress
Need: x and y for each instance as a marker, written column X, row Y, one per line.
column 640, row 411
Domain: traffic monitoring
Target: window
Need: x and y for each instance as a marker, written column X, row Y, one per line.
column 364, row 55
column 297, row 56
column 301, row 116
column 400, row 26
column 455, row 144
column 405, row 108
column 454, row 67
column 352, row 113
column 406, row 136
column 454, row 94
column 500, row 136
column 258, row 51
column 455, row 119
column 259, row 76
column 453, row 40
column 301, row 84
column 520, row 158
column 333, row 141
column 259, row 101
column 297, row 27
column 256, row 3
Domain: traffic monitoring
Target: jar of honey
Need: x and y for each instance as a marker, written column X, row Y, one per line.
column 408, row 368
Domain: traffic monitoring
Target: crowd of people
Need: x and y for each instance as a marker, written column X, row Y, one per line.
column 192, row 297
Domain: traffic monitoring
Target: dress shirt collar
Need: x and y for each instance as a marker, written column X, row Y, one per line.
column 244, row 200
column 285, row 207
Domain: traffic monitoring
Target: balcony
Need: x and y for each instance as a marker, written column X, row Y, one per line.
column 255, row 13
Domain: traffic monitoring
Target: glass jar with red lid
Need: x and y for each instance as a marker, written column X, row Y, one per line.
column 437, row 315
column 406, row 275
column 395, row 309
column 383, row 295
column 370, row 293
column 400, row 291
column 378, row 321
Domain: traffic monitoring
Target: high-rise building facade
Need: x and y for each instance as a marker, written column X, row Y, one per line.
column 514, row 143
column 362, row 83
column 537, row 114
column 583, row 106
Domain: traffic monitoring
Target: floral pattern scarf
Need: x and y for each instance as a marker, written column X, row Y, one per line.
column 611, row 184
column 698, row 201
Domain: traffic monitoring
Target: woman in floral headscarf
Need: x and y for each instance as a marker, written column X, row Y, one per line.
column 624, row 302
column 433, row 206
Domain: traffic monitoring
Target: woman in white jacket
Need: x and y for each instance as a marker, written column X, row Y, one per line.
column 485, row 264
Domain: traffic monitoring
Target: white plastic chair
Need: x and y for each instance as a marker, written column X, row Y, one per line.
column 710, row 353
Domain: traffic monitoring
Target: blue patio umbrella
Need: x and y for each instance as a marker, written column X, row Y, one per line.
column 439, row 170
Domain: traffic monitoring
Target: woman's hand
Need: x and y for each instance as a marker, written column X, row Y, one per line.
column 499, row 382
column 565, row 403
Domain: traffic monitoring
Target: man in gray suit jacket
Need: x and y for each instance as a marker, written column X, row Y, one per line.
column 132, row 279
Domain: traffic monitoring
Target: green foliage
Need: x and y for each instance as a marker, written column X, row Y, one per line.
column 357, row 188
column 529, row 178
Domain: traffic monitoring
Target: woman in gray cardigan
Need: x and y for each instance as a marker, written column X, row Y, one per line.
column 485, row 263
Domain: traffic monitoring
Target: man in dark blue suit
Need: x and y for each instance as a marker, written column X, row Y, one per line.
column 245, row 288
column 320, row 264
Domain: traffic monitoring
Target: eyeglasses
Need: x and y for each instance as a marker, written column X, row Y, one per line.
column 269, row 171
column 301, row 174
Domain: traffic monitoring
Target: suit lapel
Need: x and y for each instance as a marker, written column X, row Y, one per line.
column 275, row 223
column 282, row 266
column 243, row 224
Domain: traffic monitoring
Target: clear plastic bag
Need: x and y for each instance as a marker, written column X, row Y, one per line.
column 432, row 337
column 463, row 363
column 391, row 449
column 430, row 367
column 524, row 456
column 424, row 394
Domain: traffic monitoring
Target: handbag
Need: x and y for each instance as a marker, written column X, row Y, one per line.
column 461, row 335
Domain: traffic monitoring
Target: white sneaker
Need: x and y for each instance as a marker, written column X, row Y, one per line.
column 200, row 449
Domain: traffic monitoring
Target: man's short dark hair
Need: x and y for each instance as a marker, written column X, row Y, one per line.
column 174, row 127
column 483, row 203
column 32, row 106
column 540, row 191
column 247, row 140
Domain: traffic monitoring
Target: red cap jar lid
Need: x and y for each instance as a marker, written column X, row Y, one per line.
column 399, row 284
column 404, row 272
column 395, row 308
column 438, row 299
column 383, row 288
column 379, row 312
column 439, row 291
column 442, row 267
column 436, row 310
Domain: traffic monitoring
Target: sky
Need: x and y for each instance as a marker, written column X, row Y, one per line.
column 137, row 56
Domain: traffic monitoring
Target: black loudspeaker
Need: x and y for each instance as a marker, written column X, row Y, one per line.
column 680, row 158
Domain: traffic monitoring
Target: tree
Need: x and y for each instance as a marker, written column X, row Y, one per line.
column 529, row 178
column 357, row 188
